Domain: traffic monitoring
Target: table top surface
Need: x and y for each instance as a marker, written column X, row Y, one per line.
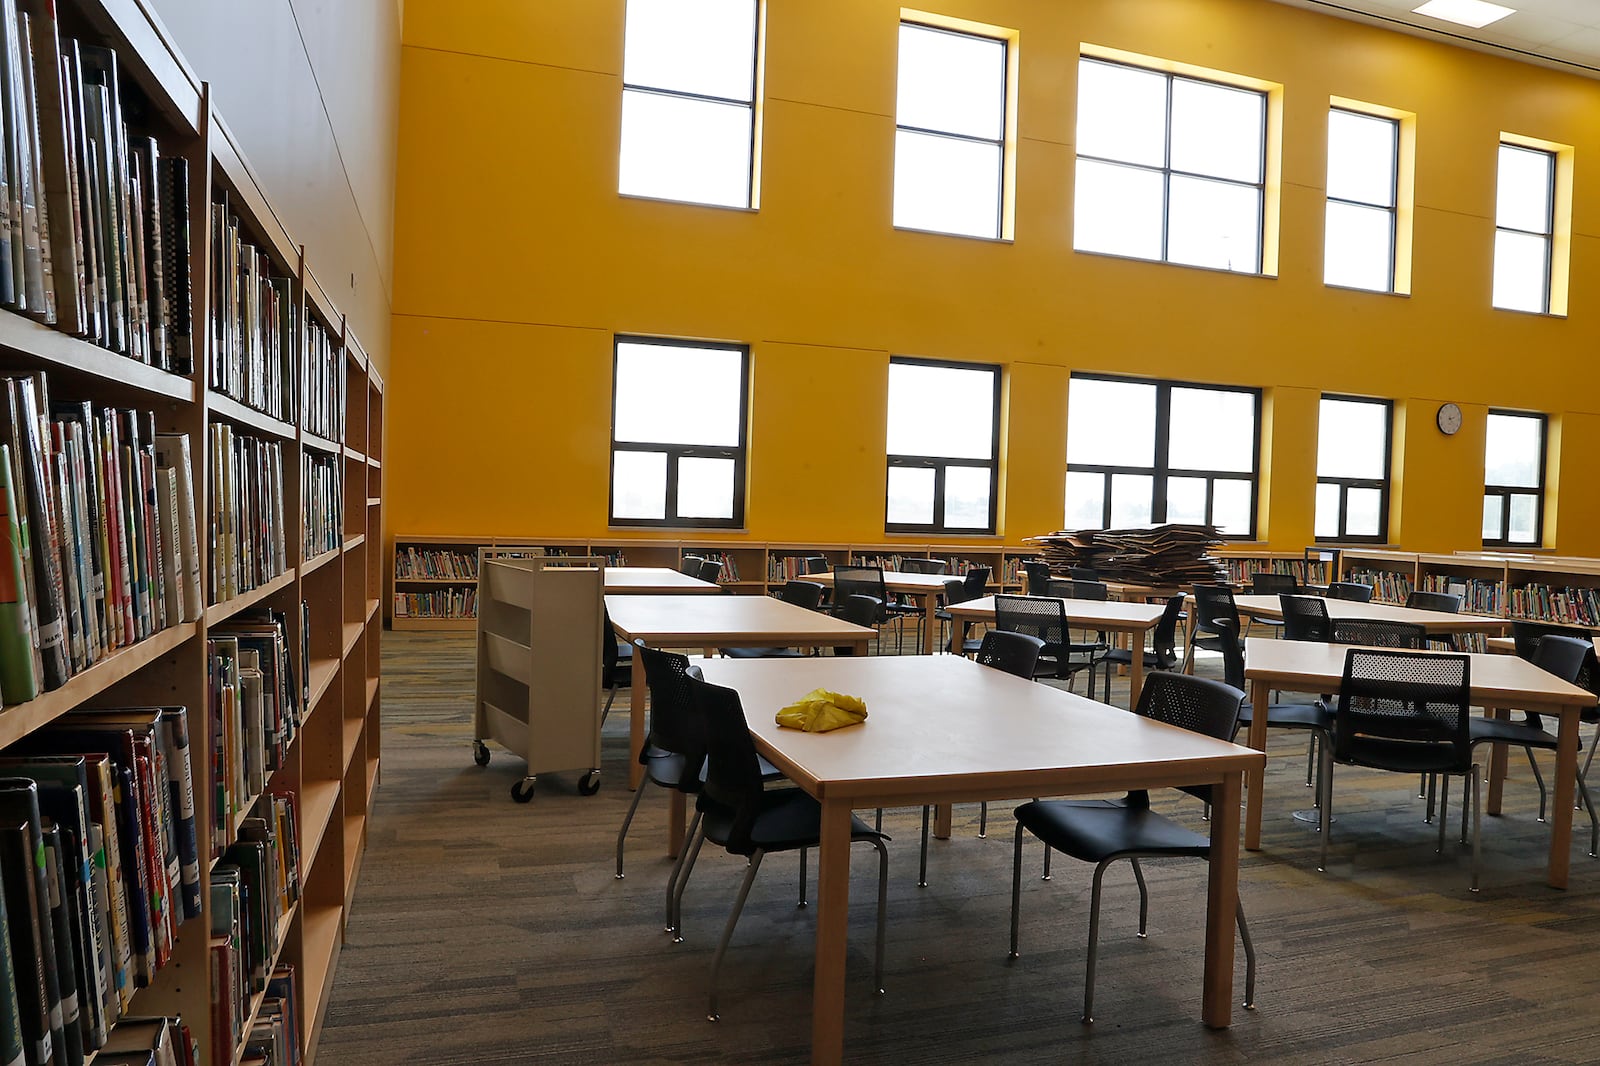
column 1088, row 613
column 711, row 620
column 644, row 579
column 944, row 726
column 1433, row 621
column 895, row 581
column 1497, row 680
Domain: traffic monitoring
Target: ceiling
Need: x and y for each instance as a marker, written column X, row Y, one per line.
column 1564, row 34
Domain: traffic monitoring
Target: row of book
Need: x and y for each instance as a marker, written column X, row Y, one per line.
column 1240, row 571
column 150, row 1042
column 99, row 856
column 100, row 542
column 435, row 564
column 1478, row 596
column 252, row 321
column 1571, row 605
column 439, row 603
column 93, row 220
column 1388, row 586
column 321, row 503
column 247, row 528
column 322, row 383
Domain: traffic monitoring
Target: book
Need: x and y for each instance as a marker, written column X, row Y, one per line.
column 56, row 175
column 174, row 230
column 18, row 643
column 61, row 936
column 39, row 1013
column 172, row 454
column 11, row 1047
column 25, row 851
column 50, row 605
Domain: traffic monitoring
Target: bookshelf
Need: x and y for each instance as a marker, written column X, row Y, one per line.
column 288, row 399
column 1243, row 563
column 433, row 578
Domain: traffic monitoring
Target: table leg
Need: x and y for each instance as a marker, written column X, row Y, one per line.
column 636, row 699
column 941, row 821
column 1135, row 669
column 1188, row 640
column 676, row 809
column 930, row 624
column 1566, row 785
column 1260, row 695
column 833, row 914
column 1497, row 764
column 1222, row 898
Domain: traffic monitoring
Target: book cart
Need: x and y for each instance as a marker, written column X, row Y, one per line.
column 540, row 628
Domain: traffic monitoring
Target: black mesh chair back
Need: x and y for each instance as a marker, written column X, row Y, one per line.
column 852, row 580
column 690, row 566
column 1198, row 704
column 924, row 566
column 1015, row 653
column 1083, row 573
column 1526, row 635
column 1404, row 711
column 858, row 610
column 1353, row 591
column 674, row 724
column 1266, row 583
column 807, row 594
column 1448, row 602
column 816, row 564
column 710, row 570
column 1305, row 618
column 1038, row 572
column 1211, row 603
column 1036, row 616
column 1379, row 633
column 733, row 772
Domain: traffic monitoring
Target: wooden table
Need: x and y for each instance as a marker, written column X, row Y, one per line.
column 655, row 581
column 1499, row 683
column 944, row 729
column 927, row 588
column 665, row 621
column 1435, row 622
column 1105, row 616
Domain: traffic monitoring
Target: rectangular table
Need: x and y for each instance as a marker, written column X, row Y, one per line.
column 1499, row 683
column 1437, row 623
column 655, row 581
column 943, row 729
column 927, row 588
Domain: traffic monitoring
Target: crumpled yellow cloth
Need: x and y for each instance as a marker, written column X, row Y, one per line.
column 820, row 710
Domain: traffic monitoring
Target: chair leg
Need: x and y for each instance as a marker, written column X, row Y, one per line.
column 1464, row 811
column 1046, row 875
column 1594, row 822
column 677, row 871
column 1324, row 824
column 727, row 932
column 676, row 919
column 1249, row 956
column 802, row 902
column 1094, row 943
column 922, row 867
column 1144, row 899
column 1430, row 783
column 1422, row 786
column 877, row 821
column 1477, row 822
column 983, row 818
column 1016, row 887
column 883, row 909
column 1311, row 758
column 627, row 820
column 611, row 697
column 1444, row 805
column 1538, row 779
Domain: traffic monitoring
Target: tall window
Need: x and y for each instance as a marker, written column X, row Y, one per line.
column 1157, row 451
column 943, row 444
column 1513, row 479
column 1363, row 187
column 950, row 132
column 678, row 433
column 1524, row 225
column 688, row 101
column 1170, row 168
column 1353, row 469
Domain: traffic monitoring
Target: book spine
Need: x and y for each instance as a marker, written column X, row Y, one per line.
column 18, row 682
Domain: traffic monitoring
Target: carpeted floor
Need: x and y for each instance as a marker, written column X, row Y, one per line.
column 488, row 932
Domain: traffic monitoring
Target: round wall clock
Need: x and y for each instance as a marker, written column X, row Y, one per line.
column 1449, row 419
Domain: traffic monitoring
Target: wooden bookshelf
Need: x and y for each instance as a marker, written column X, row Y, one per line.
column 333, row 763
column 1243, row 563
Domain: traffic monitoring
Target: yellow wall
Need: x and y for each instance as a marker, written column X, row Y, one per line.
column 516, row 262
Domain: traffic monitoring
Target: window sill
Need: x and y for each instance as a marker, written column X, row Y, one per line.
column 647, row 198
column 957, row 236
column 1180, row 266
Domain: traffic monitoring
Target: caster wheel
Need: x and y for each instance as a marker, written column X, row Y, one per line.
column 590, row 784
column 480, row 753
column 522, row 791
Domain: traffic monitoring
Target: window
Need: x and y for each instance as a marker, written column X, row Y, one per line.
column 688, row 101
column 1157, row 451
column 1513, row 479
column 950, row 132
column 1524, row 224
column 1353, row 469
column 943, row 445
column 1363, row 198
column 1170, row 168
column 677, row 433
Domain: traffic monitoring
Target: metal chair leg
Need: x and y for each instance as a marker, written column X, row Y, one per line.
column 883, row 909
column 1594, row 822
column 1046, row 875
column 1311, row 758
column 1144, row 899
column 1463, row 812
column 727, row 933
column 677, row 892
column 1249, row 956
column 678, row 871
column 1422, row 786
column 1538, row 779
column 627, row 820
column 1016, row 887
column 611, row 697
column 1094, row 944
column 1324, row 823
column 1477, row 823
column 1428, row 790
column 1444, row 805
column 983, row 818
column 922, row 867
column 802, row 902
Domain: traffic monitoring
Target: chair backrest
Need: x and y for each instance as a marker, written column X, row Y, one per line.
column 1212, row 602
column 1266, row 583
column 1198, row 704
column 1526, row 635
column 1565, row 657
column 1083, row 573
column 955, row 591
column 1232, row 655
column 1038, row 572
column 807, row 594
column 977, row 579
column 1073, row 589
column 675, row 726
column 1037, row 616
column 1379, row 633
column 1164, row 638
column 609, row 656
column 1305, row 618
column 1015, row 653
column 816, row 564
column 1448, row 602
column 925, row 566
column 1404, row 710
column 690, row 565
column 852, row 580
column 733, row 772
column 859, row 610
column 710, row 569
column 1353, row 591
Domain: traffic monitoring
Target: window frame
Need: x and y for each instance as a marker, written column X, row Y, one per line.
column 1166, row 169
column 1547, row 237
column 1393, row 210
column 1505, row 492
column 750, row 200
column 1161, row 468
column 941, row 464
column 1345, row 484
column 676, row 452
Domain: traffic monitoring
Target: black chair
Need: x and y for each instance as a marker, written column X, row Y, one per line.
column 850, row 579
column 1268, row 583
column 1379, row 633
column 1305, row 618
column 738, row 813
column 1526, row 634
column 1352, row 591
column 1407, row 712
column 1213, row 605
column 816, row 564
column 616, row 665
column 710, row 570
column 807, row 594
column 1083, row 573
column 925, row 566
column 970, row 586
column 860, row 610
column 903, row 606
column 1046, row 618
column 1313, row 717
column 1103, row 831
column 1070, row 588
column 1017, row 654
column 690, row 566
column 1038, row 573
column 1163, row 653
column 1447, row 602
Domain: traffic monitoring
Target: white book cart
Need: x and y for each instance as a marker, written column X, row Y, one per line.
column 540, row 627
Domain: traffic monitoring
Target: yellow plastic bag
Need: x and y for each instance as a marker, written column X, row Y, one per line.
column 820, row 710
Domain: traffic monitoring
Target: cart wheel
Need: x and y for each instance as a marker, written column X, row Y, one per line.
column 522, row 791
column 480, row 753
column 590, row 783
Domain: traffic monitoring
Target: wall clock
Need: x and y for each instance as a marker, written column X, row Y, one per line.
column 1449, row 419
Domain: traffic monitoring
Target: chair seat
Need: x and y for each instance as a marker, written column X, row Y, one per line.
column 1407, row 758
column 1291, row 716
column 665, row 768
column 1522, row 734
column 763, row 653
column 1152, row 661
column 787, row 819
column 1097, row 830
